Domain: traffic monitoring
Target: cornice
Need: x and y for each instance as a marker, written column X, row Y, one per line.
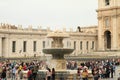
column 83, row 35
column 114, row 16
column 22, row 32
column 106, row 9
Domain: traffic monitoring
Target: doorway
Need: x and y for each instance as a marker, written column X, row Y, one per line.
column 107, row 40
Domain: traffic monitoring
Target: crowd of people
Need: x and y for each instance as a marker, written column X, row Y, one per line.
column 14, row 70
column 71, row 65
column 99, row 69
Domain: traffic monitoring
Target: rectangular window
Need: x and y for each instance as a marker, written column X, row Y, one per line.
column 74, row 44
column 13, row 46
column 24, row 46
column 87, row 45
column 81, row 45
column 43, row 44
column 34, row 46
column 92, row 44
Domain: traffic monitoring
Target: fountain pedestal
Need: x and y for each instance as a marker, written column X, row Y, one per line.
column 58, row 64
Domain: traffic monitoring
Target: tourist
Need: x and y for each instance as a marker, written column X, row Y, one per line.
column 84, row 74
column 119, row 77
column 111, row 71
column 114, row 68
column 3, row 74
column 100, row 73
column 21, row 74
column 79, row 73
column 107, row 71
column 24, row 67
column 20, row 67
column 16, row 73
column 29, row 74
column 53, row 74
column 48, row 74
column 95, row 72
column 13, row 73
column 35, row 70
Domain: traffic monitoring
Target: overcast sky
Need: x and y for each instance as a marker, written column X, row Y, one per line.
column 49, row 13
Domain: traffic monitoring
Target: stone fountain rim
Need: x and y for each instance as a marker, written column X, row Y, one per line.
column 50, row 50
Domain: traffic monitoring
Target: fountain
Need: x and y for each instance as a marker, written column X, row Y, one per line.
column 57, row 51
column 58, row 62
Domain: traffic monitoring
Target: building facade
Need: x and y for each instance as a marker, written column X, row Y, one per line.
column 108, row 25
column 18, row 42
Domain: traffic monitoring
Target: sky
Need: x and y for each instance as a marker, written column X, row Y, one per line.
column 56, row 14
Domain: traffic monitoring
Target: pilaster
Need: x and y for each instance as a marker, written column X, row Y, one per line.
column 0, row 46
column 100, row 36
column 115, row 33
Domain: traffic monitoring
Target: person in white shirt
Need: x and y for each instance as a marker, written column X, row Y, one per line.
column 48, row 74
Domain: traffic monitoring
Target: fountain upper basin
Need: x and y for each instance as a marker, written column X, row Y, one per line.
column 58, row 51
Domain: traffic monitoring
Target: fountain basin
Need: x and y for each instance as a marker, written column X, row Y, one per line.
column 58, row 53
column 58, row 61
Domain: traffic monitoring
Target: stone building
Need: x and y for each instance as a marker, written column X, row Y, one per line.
column 108, row 25
column 16, row 41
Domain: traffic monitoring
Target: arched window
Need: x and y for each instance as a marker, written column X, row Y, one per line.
column 107, row 2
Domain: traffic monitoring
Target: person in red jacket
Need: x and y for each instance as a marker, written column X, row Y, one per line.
column 24, row 67
column 29, row 74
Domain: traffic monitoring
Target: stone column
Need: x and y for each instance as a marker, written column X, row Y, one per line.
column 0, row 46
column 29, row 47
column 8, row 48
